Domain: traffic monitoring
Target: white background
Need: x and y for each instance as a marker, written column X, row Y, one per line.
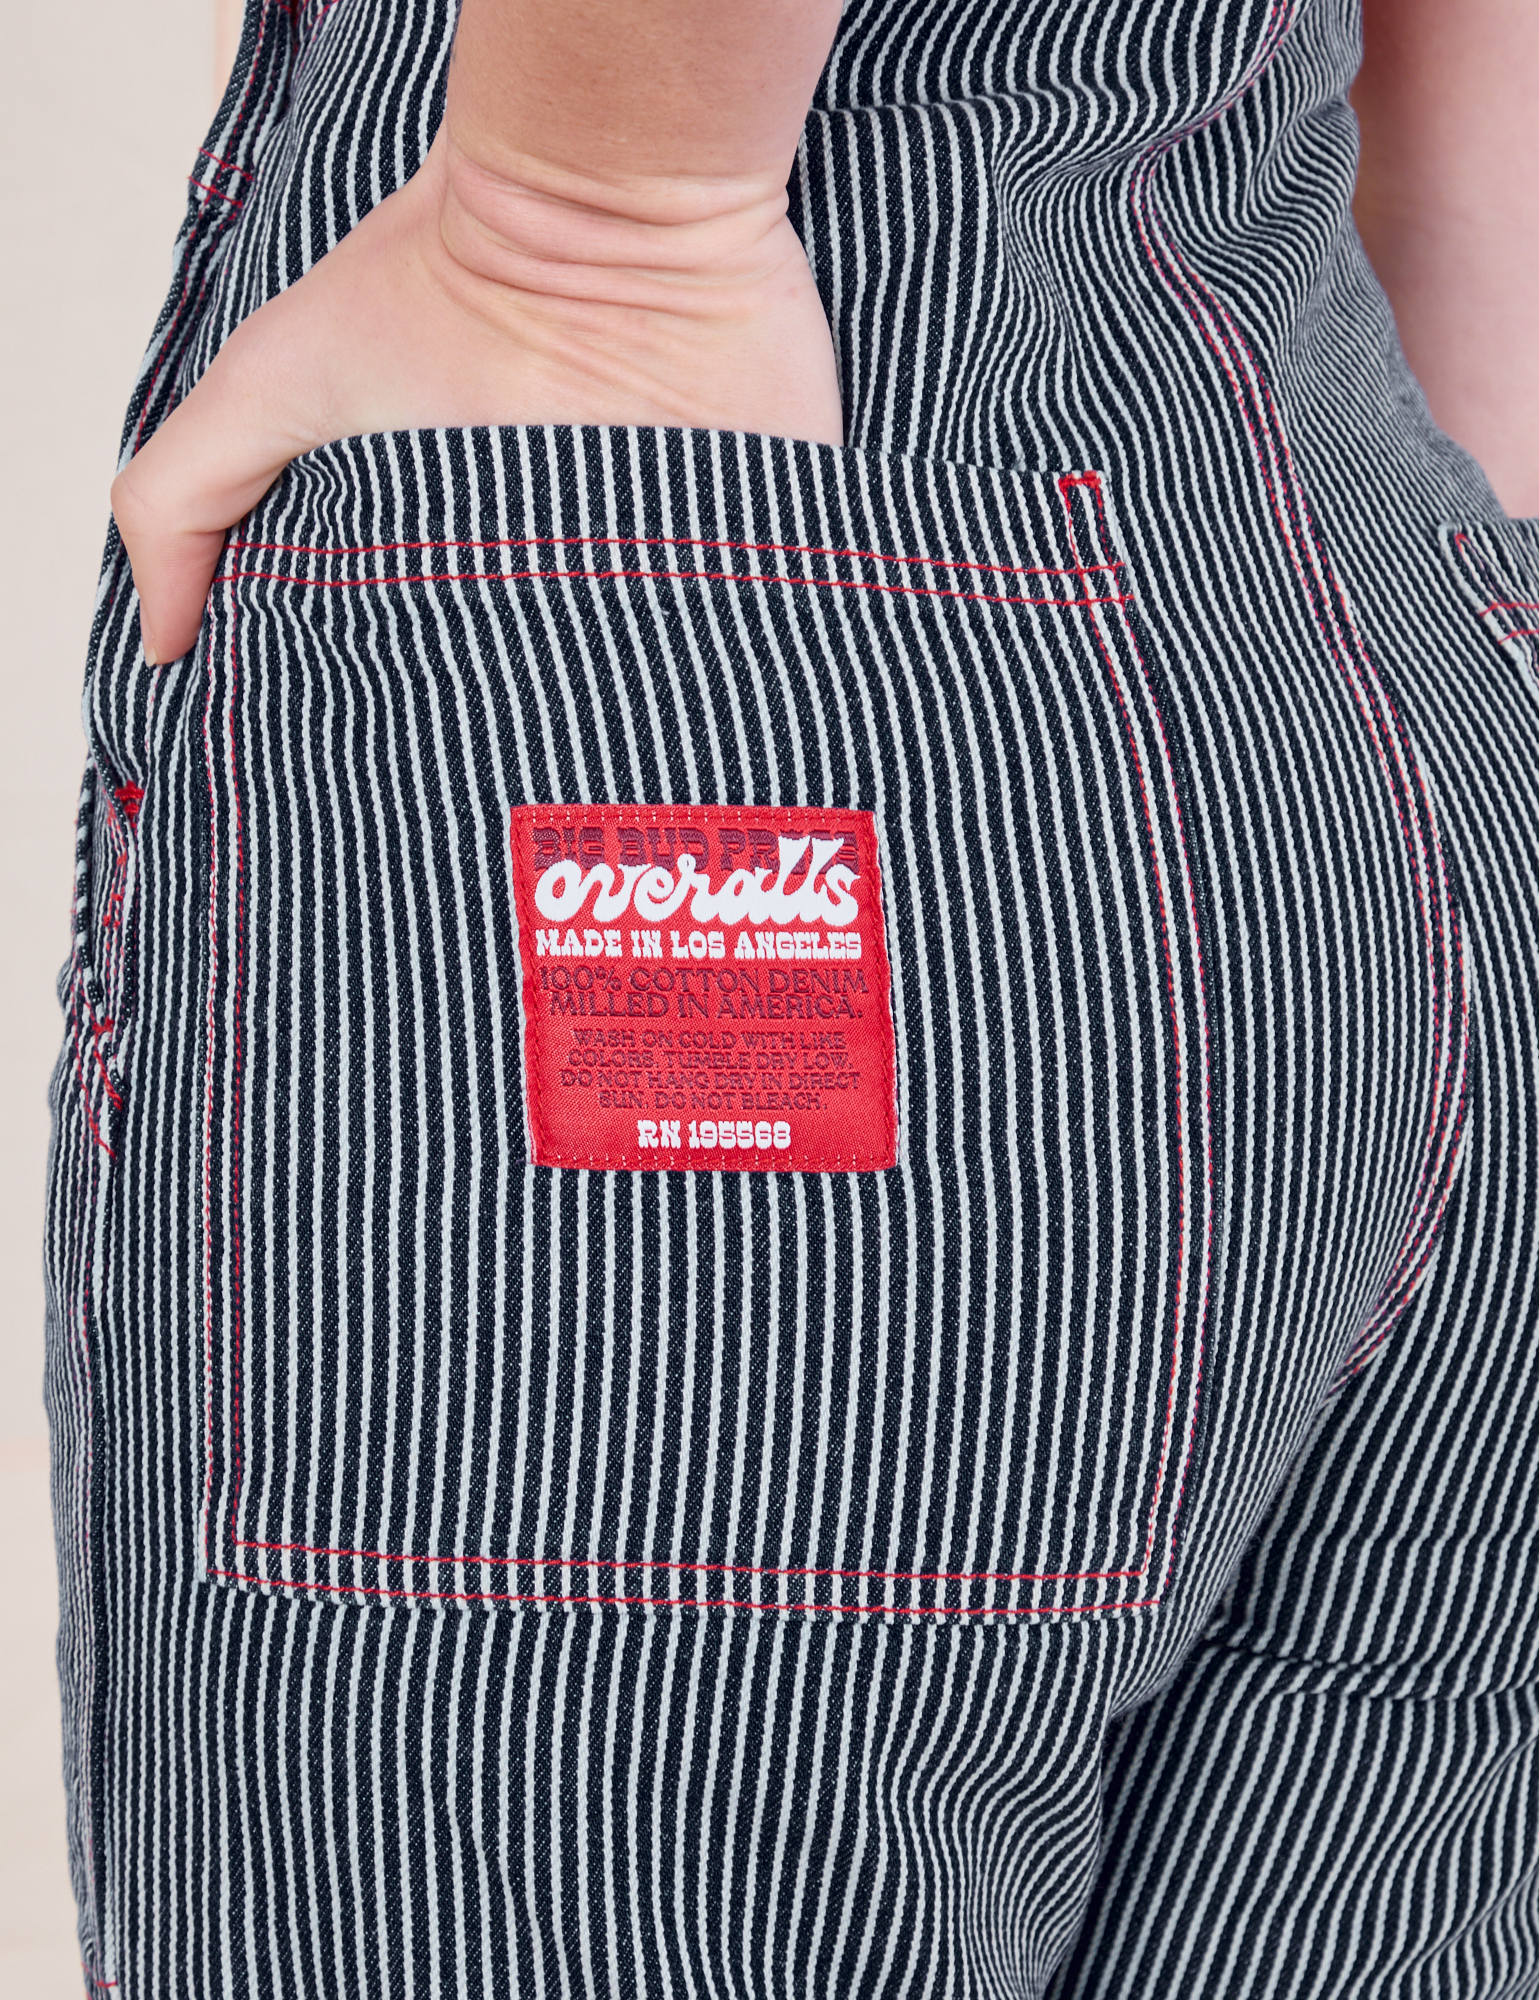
column 102, row 107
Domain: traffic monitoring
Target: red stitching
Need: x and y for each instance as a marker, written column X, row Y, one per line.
column 677, row 542
column 236, row 1068
column 85, row 1095
column 1080, row 571
column 690, row 1603
column 664, row 576
column 1324, row 594
column 219, row 194
column 1092, row 481
column 130, row 797
column 713, row 1568
column 208, row 1108
column 99, row 1029
column 1484, row 573
column 1200, row 1374
column 228, row 165
column 88, row 1783
column 1449, row 933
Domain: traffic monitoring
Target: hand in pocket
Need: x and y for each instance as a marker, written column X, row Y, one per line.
column 497, row 287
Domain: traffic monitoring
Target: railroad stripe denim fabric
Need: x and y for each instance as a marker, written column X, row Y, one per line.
column 1093, row 1555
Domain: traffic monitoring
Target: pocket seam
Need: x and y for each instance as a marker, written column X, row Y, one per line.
column 1079, row 572
column 1116, row 601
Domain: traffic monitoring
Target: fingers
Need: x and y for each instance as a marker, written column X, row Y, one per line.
column 204, row 469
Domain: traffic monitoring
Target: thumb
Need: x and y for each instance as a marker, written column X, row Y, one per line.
column 203, row 470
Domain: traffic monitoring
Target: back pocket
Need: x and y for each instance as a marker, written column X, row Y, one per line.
column 962, row 1384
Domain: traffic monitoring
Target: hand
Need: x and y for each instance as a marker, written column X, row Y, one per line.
column 470, row 297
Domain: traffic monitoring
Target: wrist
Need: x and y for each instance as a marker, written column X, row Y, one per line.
column 652, row 242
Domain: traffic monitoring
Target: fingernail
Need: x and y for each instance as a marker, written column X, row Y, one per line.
column 151, row 657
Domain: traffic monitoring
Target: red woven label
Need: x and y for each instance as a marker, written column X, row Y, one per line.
column 704, row 986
